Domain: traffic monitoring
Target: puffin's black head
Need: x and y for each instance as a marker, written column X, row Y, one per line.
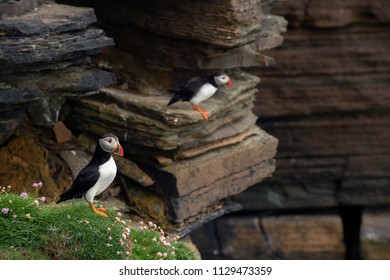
column 223, row 79
column 110, row 143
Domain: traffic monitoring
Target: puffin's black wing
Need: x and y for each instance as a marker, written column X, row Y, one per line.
column 85, row 180
column 188, row 89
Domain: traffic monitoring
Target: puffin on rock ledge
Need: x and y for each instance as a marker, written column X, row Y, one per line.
column 199, row 89
column 94, row 178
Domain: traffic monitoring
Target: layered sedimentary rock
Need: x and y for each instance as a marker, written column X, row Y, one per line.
column 278, row 237
column 202, row 35
column 179, row 169
column 295, row 236
column 43, row 56
column 17, row 8
column 195, row 165
column 328, row 102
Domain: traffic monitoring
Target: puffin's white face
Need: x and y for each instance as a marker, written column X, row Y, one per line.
column 110, row 143
column 223, row 79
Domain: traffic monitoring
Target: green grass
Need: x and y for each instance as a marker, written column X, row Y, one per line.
column 74, row 231
column 150, row 243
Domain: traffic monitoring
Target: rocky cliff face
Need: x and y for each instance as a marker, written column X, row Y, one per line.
column 179, row 169
column 194, row 165
column 42, row 60
column 327, row 101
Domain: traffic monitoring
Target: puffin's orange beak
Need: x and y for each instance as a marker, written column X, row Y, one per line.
column 119, row 150
column 230, row 83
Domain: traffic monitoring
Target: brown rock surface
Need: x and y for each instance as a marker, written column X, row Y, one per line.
column 25, row 161
column 17, row 8
column 41, row 52
column 279, row 237
column 376, row 235
column 327, row 101
column 200, row 35
column 242, row 238
column 305, row 237
column 62, row 133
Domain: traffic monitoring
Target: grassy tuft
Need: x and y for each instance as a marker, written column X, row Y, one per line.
column 150, row 243
column 32, row 229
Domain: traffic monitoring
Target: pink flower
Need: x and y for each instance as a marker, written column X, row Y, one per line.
column 14, row 216
column 43, row 198
column 5, row 210
column 36, row 202
column 175, row 238
column 37, row 185
column 23, row 195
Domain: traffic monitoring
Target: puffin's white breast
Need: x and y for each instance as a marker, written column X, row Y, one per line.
column 107, row 173
column 205, row 92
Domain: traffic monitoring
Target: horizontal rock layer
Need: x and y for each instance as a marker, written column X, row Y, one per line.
column 17, row 8
column 146, row 120
column 200, row 35
column 41, row 55
column 221, row 23
column 327, row 101
column 47, row 19
column 285, row 237
column 334, row 13
column 290, row 237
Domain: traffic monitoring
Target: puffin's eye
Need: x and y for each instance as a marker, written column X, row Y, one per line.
column 109, row 141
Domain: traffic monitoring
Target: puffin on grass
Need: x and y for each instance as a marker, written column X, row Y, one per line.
column 199, row 89
column 94, row 178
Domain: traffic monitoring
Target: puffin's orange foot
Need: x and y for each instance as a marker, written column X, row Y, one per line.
column 203, row 112
column 99, row 211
